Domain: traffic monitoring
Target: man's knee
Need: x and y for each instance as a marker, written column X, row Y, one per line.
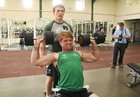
column 49, row 79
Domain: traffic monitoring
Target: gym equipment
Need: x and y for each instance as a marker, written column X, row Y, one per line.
column 29, row 40
column 84, row 40
column 135, row 72
column 49, row 37
column 57, row 90
column 99, row 37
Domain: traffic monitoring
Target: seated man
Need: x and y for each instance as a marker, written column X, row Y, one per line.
column 69, row 63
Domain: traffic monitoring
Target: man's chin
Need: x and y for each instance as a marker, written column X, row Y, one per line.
column 60, row 17
column 69, row 49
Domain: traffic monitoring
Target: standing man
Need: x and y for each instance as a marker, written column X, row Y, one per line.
column 57, row 25
column 120, row 35
column 69, row 63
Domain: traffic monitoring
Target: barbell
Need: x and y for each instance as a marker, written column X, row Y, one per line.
column 83, row 40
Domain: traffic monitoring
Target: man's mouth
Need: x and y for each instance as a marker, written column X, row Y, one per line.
column 59, row 15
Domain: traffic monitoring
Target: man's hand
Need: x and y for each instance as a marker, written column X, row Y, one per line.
column 39, row 40
column 93, row 42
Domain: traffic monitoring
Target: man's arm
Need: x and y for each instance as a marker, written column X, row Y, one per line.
column 93, row 55
column 35, row 52
column 42, row 49
column 46, row 60
column 115, row 35
column 43, row 60
column 127, row 34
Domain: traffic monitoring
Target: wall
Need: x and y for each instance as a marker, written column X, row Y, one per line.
column 106, row 10
column 103, row 10
column 128, row 9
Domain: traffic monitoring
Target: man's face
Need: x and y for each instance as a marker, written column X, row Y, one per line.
column 67, row 43
column 121, row 27
column 59, row 13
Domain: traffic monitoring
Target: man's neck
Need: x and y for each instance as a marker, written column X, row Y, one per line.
column 58, row 21
column 67, row 50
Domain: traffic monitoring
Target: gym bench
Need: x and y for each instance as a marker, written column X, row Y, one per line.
column 135, row 72
column 56, row 90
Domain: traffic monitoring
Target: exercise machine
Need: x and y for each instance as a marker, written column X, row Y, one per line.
column 135, row 73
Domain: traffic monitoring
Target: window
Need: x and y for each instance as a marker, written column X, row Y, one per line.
column 80, row 4
column 55, row 2
column 2, row 3
column 27, row 3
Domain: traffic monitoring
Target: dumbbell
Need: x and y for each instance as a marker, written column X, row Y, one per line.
column 84, row 40
column 48, row 36
column 28, row 39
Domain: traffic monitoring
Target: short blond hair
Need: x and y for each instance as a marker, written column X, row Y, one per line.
column 64, row 34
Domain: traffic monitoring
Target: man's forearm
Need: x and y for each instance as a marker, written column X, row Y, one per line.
column 42, row 51
column 35, row 54
column 95, row 50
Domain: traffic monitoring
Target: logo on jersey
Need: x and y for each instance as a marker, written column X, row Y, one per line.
column 75, row 54
column 65, row 27
column 64, row 56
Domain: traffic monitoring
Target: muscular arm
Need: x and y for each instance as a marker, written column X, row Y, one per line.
column 92, row 56
column 44, row 59
column 35, row 52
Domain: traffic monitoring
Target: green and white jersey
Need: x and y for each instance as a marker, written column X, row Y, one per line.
column 57, row 28
column 71, row 71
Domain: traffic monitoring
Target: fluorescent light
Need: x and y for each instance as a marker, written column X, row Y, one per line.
column 55, row 2
column 27, row 3
column 2, row 3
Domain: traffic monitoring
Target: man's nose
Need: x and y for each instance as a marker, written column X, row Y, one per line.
column 69, row 41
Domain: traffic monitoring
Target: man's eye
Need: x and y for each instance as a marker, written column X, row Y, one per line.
column 59, row 11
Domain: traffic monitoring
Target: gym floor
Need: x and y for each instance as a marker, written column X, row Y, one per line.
column 103, row 80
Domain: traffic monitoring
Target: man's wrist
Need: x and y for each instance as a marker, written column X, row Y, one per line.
column 36, row 48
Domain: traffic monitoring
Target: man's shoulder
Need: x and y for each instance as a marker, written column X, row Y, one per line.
column 67, row 23
column 127, row 31
column 49, row 25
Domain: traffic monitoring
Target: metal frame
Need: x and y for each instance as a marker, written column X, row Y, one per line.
column 133, row 72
